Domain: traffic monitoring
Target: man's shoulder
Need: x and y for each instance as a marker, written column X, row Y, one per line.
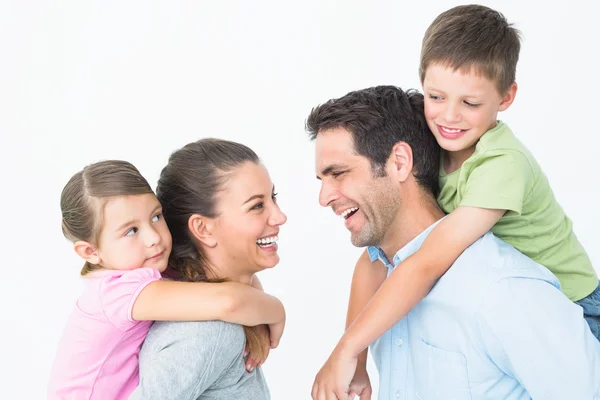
column 494, row 259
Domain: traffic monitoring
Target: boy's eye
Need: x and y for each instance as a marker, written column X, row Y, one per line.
column 336, row 174
column 472, row 105
column 131, row 232
column 434, row 97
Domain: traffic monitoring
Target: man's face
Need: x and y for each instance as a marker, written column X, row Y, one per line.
column 367, row 203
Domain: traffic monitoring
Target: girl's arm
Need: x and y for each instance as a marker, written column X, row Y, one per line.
column 202, row 301
column 416, row 275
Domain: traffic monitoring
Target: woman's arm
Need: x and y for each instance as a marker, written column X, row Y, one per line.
column 201, row 301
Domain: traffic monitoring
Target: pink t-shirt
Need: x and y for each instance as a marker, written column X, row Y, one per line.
column 98, row 353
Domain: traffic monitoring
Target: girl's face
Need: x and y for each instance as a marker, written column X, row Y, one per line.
column 247, row 226
column 134, row 234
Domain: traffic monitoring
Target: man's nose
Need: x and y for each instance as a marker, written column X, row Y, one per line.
column 327, row 194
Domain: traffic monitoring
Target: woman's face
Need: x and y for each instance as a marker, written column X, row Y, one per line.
column 247, row 226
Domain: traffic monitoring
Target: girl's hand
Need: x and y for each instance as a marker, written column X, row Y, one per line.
column 252, row 362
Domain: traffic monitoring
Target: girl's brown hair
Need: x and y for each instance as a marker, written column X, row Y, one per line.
column 83, row 198
column 189, row 185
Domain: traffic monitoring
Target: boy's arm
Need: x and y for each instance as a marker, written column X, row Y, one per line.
column 404, row 288
column 415, row 276
column 201, row 301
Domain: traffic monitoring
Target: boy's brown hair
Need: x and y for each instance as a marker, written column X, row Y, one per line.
column 473, row 36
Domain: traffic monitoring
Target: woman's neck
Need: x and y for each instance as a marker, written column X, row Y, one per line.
column 223, row 269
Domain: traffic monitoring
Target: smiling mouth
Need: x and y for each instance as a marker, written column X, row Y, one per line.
column 349, row 212
column 268, row 241
column 450, row 132
column 154, row 257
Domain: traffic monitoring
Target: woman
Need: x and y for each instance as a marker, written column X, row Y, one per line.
column 220, row 205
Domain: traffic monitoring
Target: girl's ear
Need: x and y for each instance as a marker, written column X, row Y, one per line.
column 87, row 251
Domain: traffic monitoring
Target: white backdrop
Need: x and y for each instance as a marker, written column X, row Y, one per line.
column 83, row 81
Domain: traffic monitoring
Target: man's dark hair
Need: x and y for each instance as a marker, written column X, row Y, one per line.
column 378, row 118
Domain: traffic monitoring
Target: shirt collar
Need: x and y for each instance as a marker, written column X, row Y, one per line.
column 375, row 252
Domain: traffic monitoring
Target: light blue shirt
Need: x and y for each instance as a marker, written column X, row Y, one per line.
column 495, row 326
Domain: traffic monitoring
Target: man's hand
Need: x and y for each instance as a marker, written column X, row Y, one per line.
column 361, row 384
column 333, row 380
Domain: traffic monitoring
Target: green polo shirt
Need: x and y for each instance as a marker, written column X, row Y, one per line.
column 502, row 174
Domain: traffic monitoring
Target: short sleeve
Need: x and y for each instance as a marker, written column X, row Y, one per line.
column 119, row 292
column 499, row 181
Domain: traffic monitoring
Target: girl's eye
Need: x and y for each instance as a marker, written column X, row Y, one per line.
column 157, row 218
column 434, row 97
column 257, row 206
column 131, row 232
column 274, row 197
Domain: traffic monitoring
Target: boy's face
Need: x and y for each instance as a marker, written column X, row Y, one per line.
column 460, row 107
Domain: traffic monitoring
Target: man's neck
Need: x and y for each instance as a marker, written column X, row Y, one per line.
column 416, row 214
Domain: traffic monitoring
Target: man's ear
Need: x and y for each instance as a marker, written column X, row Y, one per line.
column 201, row 228
column 401, row 162
column 87, row 251
column 508, row 97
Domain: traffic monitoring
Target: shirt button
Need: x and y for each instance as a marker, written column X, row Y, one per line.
column 400, row 342
column 398, row 394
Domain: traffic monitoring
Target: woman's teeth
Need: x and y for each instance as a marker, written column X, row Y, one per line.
column 267, row 241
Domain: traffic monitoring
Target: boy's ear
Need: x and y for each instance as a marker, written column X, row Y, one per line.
column 508, row 97
column 87, row 251
column 201, row 228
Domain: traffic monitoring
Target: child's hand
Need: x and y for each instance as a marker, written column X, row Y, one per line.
column 253, row 362
column 276, row 331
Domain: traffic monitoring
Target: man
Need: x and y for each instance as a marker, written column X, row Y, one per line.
column 495, row 326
